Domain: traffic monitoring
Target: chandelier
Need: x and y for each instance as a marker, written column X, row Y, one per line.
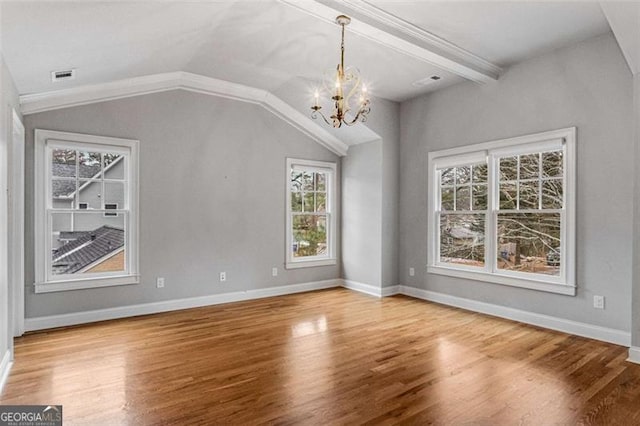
column 342, row 85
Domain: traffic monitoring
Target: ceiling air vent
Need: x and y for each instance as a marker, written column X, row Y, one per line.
column 426, row 81
column 63, row 75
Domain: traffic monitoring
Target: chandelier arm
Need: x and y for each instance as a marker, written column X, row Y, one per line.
column 315, row 113
column 362, row 114
column 355, row 87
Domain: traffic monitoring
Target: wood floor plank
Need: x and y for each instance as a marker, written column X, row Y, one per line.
column 325, row 357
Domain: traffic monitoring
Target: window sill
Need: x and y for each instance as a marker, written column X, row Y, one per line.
column 550, row 287
column 310, row 263
column 66, row 285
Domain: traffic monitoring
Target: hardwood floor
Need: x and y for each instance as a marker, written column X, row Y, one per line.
column 326, row 357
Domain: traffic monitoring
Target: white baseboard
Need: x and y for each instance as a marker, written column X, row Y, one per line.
column 390, row 291
column 53, row 321
column 596, row 332
column 5, row 367
column 362, row 287
column 634, row 354
column 568, row 326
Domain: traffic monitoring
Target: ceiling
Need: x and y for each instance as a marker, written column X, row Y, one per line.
column 269, row 44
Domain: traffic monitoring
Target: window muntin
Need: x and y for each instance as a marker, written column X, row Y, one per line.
column 86, row 218
column 310, row 219
column 523, row 234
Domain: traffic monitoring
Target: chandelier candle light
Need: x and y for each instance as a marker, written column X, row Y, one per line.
column 343, row 81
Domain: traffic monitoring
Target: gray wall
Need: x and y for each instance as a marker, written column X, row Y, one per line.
column 362, row 214
column 212, row 196
column 587, row 85
column 386, row 122
column 370, row 201
column 8, row 101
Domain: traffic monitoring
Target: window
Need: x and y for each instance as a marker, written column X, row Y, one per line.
column 504, row 212
column 311, row 222
column 86, row 211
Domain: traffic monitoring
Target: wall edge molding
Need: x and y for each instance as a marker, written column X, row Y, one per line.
column 5, row 367
column 84, row 317
column 369, row 289
column 591, row 331
column 634, row 354
column 155, row 83
column 390, row 290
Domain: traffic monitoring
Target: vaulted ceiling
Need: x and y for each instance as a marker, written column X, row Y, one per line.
column 269, row 44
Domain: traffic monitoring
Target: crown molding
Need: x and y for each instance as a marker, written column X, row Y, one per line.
column 84, row 95
column 389, row 30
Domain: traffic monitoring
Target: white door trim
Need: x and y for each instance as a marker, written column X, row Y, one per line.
column 16, row 223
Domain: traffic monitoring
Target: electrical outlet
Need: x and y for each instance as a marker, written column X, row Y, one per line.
column 274, row 272
column 412, row 272
column 598, row 302
column 223, row 276
column 160, row 282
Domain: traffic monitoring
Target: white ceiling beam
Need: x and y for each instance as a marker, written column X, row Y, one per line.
column 388, row 30
column 84, row 95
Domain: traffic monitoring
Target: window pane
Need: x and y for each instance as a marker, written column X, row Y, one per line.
column 307, row 181
column 529, row 166
column 113, row 166
column 90, row 192
column 462, row 239
column 447, row 176
column 479, row 197
column 552, row 194
column 296, row 181
column 529, row 193
column 463, row 175
column 296, row 202
column 89, row 165
column 480, row 173
column 321, row 182
column 552, row 164
column 87, row 242
column 63, row 193
column 308, row 202
column 114, row 194
column 508, row 195
column 321, row 202
column 309, row 235
column 529, row 242
column 63, row 163
column 463, row 198
column 509, row 168
column 447, row 199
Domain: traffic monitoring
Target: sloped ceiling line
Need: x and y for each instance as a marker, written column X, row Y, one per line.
column 47, row 101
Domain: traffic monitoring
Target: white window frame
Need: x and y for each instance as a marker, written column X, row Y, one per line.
column 488, row 152
column 44, row 282
column 331, row 185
